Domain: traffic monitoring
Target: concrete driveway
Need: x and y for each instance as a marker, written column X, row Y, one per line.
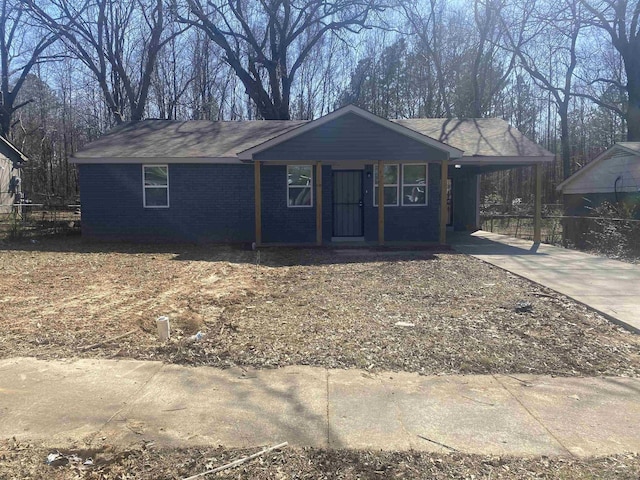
column 609, row 286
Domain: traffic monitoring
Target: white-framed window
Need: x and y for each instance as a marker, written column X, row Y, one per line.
column 414, row 184
column 391, row 184
column 299, row 186
column 155, row 186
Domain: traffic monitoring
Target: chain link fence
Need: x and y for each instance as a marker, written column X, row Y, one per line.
column 609, row 230
column 28, row 220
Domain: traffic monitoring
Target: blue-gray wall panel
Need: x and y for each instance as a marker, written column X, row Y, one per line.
column 208, row 203
column 351, row 137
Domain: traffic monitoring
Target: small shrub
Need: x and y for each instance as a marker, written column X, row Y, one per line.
column 15, row 225
column 614, row 230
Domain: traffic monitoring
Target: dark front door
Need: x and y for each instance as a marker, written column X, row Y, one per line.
column 347, row 203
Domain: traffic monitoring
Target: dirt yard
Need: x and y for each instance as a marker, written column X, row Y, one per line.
column 27, row 462
column 276, row 307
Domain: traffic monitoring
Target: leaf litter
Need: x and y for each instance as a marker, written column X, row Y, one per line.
column 277, row 307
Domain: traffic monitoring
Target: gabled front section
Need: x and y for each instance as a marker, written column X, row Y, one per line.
column 319, row 182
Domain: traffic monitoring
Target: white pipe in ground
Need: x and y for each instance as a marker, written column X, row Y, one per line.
column 163, row 328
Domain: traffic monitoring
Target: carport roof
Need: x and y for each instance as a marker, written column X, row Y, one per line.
column 478, row 141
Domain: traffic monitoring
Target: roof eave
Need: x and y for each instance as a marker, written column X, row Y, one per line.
column 16, row 156
column 155, row 160
column 505, row 160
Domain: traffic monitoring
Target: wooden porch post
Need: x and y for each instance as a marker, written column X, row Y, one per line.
column 537, row 221
column 258, row 202
column 443, row 200
column 319, row 203
column 380, row 202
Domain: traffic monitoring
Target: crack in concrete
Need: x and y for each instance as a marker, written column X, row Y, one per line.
column 533, row 416
column 132, row 398
column 398, row 413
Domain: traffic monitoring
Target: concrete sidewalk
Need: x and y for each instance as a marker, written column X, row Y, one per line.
column 608, row 286
column 119, row 402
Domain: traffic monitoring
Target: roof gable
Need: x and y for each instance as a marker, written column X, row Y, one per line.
column 615, row 169
column 343, row 130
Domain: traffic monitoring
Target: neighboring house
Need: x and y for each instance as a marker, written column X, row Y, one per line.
column 11, row 162
column 613, row 176
column 293, row 182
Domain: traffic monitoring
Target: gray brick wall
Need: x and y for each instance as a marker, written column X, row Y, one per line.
column 215, row 203
column 281, row 224
column 208, row 203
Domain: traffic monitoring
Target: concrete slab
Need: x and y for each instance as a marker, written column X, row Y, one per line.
column 472, row 414
column 205, row 406
column 63, row 402
column 608, row 286
column 589, row 416
column 363, row 414
column 119, row 402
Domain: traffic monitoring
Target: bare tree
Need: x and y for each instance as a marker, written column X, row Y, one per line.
column 488, row 74
column 430, row 28
column 118, row 41
column 545, row 42
column 266, row 42
column 21, row 48
column 620, row 19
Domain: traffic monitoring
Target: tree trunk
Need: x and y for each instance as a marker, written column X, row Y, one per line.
column 565, row 146
column 632, row 66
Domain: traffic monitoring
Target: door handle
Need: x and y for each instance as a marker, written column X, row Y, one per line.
column 360, row 204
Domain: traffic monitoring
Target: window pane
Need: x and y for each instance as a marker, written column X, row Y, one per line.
column 155, row 176
column 390, row 195
column 390, row 174
column 415, row 174
column 414, row 196
column 156, row 197
column 300, row 196
column 299, row 175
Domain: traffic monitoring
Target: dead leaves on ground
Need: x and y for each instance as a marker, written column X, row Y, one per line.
column 330, row 308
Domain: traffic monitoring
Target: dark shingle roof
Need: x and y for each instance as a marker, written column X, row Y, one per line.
column 176, row 139
column 204, row 139
column 491, row 137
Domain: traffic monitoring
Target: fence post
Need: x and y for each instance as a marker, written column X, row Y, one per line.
column 537, row 221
